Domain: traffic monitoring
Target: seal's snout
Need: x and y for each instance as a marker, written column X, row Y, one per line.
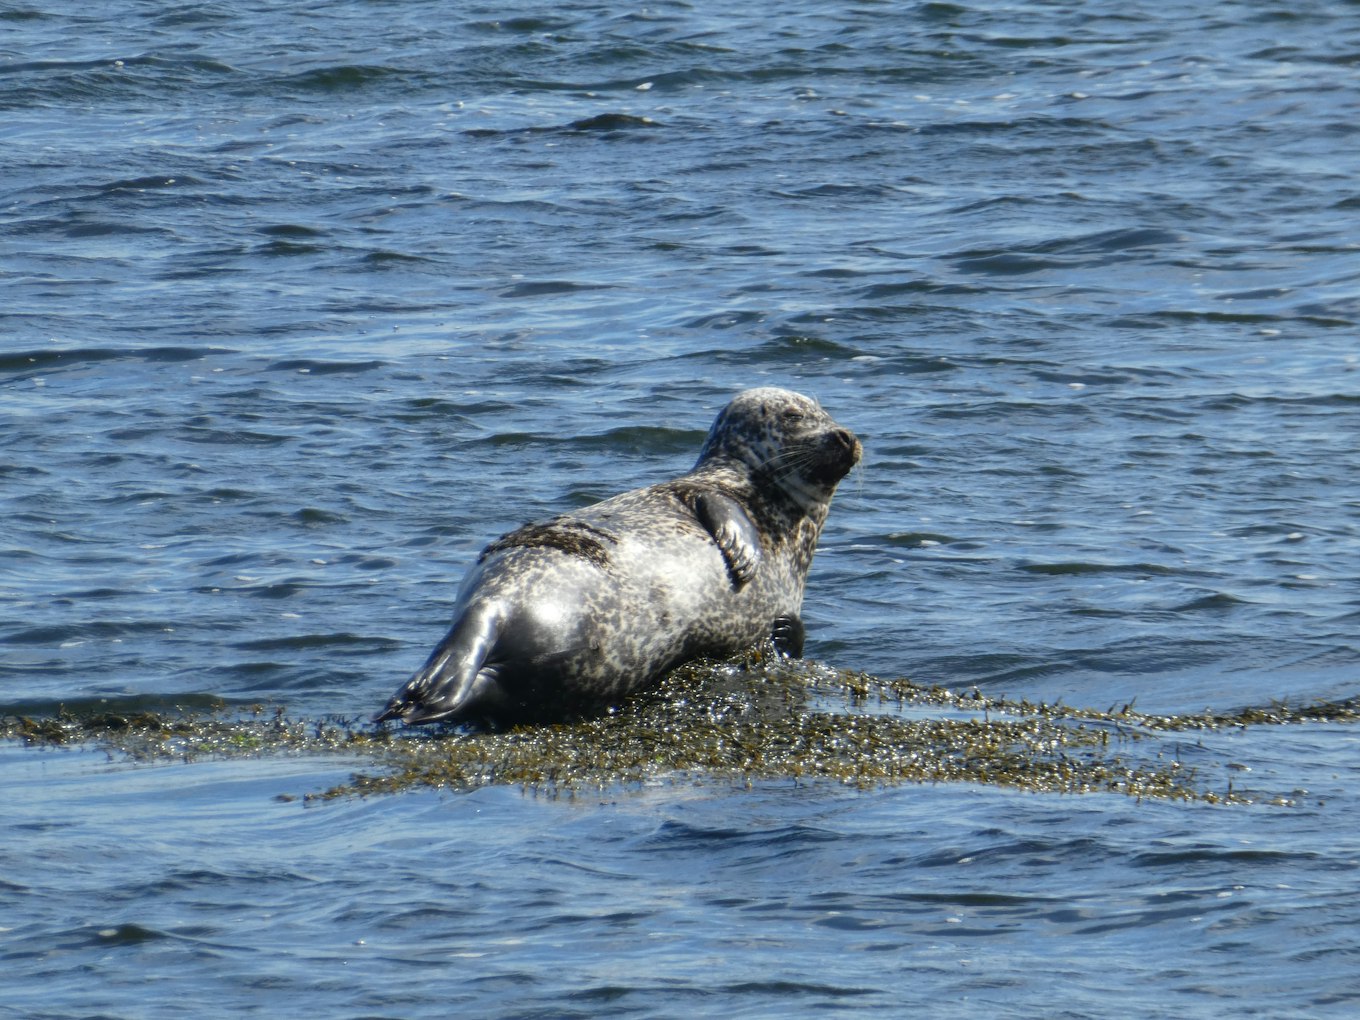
column 839, row 452
column 847, row 441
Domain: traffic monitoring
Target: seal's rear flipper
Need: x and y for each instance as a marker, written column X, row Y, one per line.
column 455, row 674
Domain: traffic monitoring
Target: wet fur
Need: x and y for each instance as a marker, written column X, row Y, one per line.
column 564, row 616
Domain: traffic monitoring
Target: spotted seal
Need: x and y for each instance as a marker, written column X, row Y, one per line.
column 559, row 618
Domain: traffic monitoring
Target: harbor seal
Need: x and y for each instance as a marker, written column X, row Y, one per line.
column 564, row 617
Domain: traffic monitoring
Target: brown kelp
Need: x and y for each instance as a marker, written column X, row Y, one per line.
column 763, row 720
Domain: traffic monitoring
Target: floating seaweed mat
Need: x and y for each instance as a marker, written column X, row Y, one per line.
column 762, row 720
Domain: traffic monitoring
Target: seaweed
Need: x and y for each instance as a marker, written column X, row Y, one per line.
column 760, row 720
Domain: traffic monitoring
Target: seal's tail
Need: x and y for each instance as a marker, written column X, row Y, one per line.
column 454, row 676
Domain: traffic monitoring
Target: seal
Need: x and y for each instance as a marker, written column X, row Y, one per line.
column 561, row 618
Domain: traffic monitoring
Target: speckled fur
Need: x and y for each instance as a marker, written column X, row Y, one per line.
column 562, row 617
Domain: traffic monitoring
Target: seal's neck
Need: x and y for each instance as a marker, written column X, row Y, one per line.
column 791, row 498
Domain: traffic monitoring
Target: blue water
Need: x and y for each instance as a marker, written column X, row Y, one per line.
column 302, row 304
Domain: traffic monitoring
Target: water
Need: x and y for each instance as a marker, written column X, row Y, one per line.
column 302, row 304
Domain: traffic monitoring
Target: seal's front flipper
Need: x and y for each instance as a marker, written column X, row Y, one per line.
column 456, row 674
column 737, row 538
column 788, row 634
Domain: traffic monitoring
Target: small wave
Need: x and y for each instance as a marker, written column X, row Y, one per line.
column 291, row 231
column 48, row 359
column 213, row 435
column 1229, row 860
column 643, row 439
column 841, row 191
column 540, row 288
column 106, row 710
column 610, row 122
column 359, row 644
column 314, row 516
column 785, row 991
column 605, row 124
column 1124, row 239
column 286, row 248
column 726, row 319
column 1006, row 264
column 140, row 77
column 1077, row 568
column 682, row 836
column 521, row 25
column 343, row 77
column 153, row 183
column 384, row 258
column 51, row 636
column 313, row 366
column 630, row 438
column 918, row 539
column 126, row 935
column 1020, row 125
column 1218, row 601
column 1189, row 315
column 907, row 288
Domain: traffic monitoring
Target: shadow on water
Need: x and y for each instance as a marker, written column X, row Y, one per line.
column 760, row 720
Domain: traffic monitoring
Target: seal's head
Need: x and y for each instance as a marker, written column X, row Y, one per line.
column 785, row 438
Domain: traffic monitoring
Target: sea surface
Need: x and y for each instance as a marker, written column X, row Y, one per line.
column 302, row 303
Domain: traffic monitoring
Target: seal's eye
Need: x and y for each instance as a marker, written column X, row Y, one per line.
column 792, row 417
